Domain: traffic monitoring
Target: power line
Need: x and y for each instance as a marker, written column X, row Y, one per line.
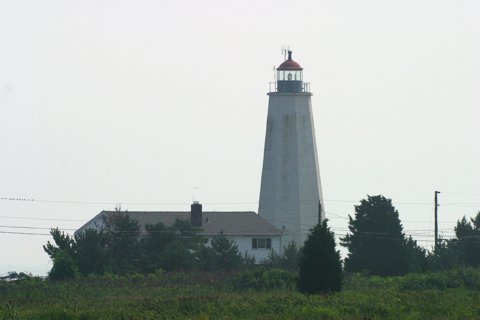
column 379, row 236
column 464, row 193
column 410, row 231
column 336, row 215
column 205, row 203
column 34, row 228
column 43, row 219
column 26, row 233
column 166, row 213
column 338, row 231
column 402, row 220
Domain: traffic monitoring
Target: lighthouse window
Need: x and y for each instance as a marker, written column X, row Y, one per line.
column 289, row 75
column 261, row 243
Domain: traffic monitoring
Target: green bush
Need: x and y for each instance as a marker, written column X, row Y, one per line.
column 206, row 296
column 264, row 279
column 8, row 312
column 456, row 278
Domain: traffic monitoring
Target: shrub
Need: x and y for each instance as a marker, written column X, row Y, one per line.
column 264, row 279
column 450, row 279
column 456, row 278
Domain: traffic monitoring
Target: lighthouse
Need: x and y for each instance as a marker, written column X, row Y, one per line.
column 290, row 192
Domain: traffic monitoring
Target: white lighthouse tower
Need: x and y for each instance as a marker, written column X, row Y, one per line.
column 291, row 193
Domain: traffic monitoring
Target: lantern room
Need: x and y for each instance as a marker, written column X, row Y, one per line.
column 290, row 76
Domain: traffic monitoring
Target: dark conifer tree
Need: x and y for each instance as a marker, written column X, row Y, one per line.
column 376, row 243
column 416, row 256
column 64, row 267
column 153, row 244
column 320, row 265
column 288, row 260
column 122, row 244
column 467, row 241
column 62, row 242
column 62, row 253
column 226, row 253
column 90, row 252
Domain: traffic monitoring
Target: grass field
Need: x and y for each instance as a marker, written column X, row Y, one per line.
column 448, row 295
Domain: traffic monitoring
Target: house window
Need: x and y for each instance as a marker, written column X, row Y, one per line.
column 261, row 243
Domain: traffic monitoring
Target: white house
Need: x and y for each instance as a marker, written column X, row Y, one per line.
column 252, row 234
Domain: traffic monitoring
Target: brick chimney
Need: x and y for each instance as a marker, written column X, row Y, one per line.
column 196, row 214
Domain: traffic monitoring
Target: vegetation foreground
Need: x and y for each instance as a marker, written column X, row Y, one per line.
column 254, row 294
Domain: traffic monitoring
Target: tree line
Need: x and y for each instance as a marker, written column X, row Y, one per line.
column 376, row 245
column 121, row 247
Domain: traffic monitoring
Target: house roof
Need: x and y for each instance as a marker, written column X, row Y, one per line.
column 213, row 222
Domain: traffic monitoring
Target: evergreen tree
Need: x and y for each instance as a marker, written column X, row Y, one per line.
column 467, row 241
column 122, row 233
column 376, row 243
column 62, row 242
column 290, row 256
column 62, row 253
column 416, row 256
column 176, row 257
column 445, row 257
column 273, row 260
column 64, row 267
column 188, row 234
column 205, row 259
column 320, row 265
column 158, row 237
column 288, row 260
column 171, row 248
column 226, row 252
column 90, row 251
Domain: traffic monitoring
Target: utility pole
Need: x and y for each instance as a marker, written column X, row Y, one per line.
column 436, row 221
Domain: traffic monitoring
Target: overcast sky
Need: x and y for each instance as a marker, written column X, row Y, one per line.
column 142, row 101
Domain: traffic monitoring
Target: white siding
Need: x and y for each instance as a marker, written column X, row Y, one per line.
column 244, row 244
column 95, row 224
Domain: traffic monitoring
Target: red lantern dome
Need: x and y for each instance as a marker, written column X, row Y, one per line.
column 289, row 64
